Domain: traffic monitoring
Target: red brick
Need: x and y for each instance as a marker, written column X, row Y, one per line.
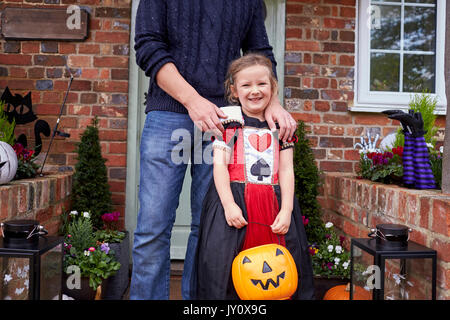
column 339, row 47
column 336, row 166
column 319, row 83
column 424, row 212
column 371, row 119
column 112, row 37
column 15, row 59
column 322, row 106
column 443, row 249
column 441, row 216
column 79, row 61
column 337, row 118
column 297, row 45
column 347, row 60
column 67, row 48
column 114, row 62
column 306, row 117
column 352, row 155
column 293, row 8
column 348, row 12
column 111, row 86
column 333, row 23
column 320, row 58
column 332, row 95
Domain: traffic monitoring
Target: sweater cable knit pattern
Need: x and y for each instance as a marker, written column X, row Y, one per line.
column 201, row 37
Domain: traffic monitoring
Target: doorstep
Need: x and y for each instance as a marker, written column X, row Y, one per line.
column 176, row 267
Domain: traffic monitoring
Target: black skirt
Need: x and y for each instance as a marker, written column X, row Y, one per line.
column 219, row 244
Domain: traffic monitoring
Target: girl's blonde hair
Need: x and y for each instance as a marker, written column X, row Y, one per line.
column 249, row 60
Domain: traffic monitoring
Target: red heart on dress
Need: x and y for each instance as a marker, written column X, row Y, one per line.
column 260, row 143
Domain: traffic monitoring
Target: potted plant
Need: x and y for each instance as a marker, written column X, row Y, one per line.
column 114, row 287
column 331, row 262
column 85, row 256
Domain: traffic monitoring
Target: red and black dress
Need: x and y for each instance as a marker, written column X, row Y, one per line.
column 254, row 184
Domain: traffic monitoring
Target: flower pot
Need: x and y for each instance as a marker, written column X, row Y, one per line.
column 114, row 287
column 85, row 292
column 322, row 284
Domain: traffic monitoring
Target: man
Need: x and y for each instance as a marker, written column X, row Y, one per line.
column 185, row 47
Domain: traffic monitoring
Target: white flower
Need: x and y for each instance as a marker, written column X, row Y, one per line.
column 330, row 248
column 87, row 253
column 441, row 149
column 86, row 214
column 337, row 260
column 328, row 225
column 345, row 265
column 7, row 278
column 338, row 249
column 73, row 212
column 429, row 145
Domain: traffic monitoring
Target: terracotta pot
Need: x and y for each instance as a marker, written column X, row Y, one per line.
column 322, row 284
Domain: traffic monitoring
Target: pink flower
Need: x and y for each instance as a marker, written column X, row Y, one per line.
column 91, row 249
column 305, row 221
column 109, row 217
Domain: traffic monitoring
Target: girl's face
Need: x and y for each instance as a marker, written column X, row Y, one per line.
column 253, row 89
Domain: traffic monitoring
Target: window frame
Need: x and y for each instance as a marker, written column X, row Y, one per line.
column 372, row 101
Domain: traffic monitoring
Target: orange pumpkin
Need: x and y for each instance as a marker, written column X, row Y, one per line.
column 266, row 272
column 342, row 292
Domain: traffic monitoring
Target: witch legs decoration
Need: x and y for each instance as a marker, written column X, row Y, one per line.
column 416, row 160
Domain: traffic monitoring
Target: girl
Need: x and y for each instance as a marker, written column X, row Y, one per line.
column 251, row 201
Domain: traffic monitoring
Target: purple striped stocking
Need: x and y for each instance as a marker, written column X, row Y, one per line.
column 424, row 178
column 408, row 160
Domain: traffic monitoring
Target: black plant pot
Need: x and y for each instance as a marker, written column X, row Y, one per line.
column 322, row 284
column 114, row 287
column 84, row 293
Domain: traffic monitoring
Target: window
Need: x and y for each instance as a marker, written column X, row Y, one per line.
column 400, row 52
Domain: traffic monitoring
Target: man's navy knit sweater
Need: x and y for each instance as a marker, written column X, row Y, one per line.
column 201, row 37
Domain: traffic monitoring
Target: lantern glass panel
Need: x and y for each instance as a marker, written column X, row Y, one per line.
column 14, row 278
column 408, row 279
column 362, row 275
column 51, row 272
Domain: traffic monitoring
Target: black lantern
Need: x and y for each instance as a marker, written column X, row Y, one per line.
column 30, row 263
column 391, row 267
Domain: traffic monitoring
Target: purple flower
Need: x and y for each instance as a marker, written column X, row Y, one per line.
column 105, row 247
column 330, row 265
column 328, row 236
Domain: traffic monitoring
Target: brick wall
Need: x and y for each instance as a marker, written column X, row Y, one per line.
column 100, row 88
column 319, row 81
column 354, row 206
column 42, row 199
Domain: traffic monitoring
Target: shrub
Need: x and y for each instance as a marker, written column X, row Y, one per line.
column 307, row 182
column 90, row 190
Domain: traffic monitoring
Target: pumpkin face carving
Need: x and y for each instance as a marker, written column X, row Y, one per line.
column 265, row 272
column 9, row 159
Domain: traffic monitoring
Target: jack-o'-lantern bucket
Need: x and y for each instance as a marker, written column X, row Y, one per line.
column 266, row 272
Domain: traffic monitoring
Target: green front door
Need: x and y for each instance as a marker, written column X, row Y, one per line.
column 275, row 22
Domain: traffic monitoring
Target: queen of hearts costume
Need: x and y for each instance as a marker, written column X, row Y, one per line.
column 253, row 171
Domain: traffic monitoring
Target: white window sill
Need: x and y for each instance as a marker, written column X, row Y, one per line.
column 440, row 109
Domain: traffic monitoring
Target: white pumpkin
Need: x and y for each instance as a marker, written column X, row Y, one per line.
column 8, row 155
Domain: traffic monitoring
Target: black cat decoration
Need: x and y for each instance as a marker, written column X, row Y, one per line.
column 21, row 109
column 18, row 107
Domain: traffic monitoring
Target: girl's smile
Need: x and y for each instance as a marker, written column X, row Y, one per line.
column 253, row 89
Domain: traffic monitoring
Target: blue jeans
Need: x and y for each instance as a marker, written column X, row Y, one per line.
column 162, row 171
